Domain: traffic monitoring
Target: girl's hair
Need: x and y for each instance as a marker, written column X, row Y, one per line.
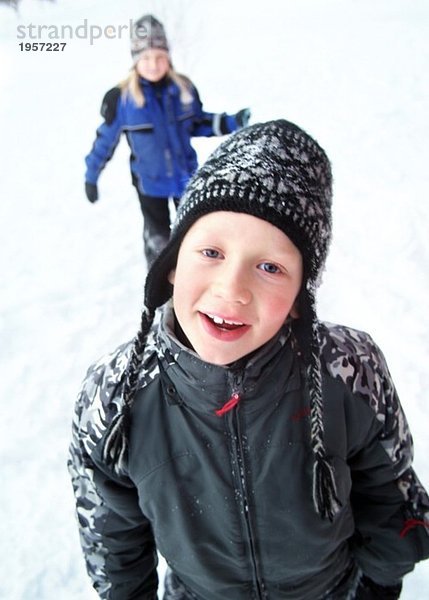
column 130, row 85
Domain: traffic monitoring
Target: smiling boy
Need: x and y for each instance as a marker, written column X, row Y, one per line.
column 263, row 453
column 232, row 293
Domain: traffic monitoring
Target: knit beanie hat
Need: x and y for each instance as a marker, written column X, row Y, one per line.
column 146, row 33
column 276, row 172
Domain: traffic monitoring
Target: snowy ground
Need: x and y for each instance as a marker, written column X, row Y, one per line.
column 352, row 72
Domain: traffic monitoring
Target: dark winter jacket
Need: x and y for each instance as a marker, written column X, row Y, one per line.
column 228, row 500
column 159, row 135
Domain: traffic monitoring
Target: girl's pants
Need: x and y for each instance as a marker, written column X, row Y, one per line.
column 156, row 224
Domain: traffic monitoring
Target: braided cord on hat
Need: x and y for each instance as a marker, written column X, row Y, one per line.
column 325, row 496
column 115, row 444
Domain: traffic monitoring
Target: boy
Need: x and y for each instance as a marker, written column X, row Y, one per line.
column 263, row 453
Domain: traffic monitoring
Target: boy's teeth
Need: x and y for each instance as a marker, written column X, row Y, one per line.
column 220, row 321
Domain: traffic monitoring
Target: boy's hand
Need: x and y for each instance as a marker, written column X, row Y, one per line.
column 369, row 590
column 91, row 192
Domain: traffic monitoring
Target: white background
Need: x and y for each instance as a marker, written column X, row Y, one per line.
column 354, row 73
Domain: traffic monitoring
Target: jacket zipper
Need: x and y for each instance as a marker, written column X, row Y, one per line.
column 165, row 107
column 240, row 476
column 168, row 162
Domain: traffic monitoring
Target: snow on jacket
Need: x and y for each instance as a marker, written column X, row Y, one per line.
column 159, row 135
column 228, row 500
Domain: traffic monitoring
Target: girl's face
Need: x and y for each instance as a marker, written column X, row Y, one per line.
column 153, row 64
column 235, row 283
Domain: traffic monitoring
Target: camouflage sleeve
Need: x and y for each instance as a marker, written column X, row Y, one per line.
column 90, row 510
column 390, row 506
column 89, row 423
column 109, row 519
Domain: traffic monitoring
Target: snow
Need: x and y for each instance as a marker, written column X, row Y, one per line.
column 353, row 73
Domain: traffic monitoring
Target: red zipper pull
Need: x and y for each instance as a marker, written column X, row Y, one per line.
column 233, row 401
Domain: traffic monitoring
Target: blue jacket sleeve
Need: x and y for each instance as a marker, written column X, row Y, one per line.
column 211, row 124
column 107, row 136
column 116, row 538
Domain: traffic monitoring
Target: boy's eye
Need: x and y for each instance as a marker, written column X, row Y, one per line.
column 269, row 268
column 210, row 253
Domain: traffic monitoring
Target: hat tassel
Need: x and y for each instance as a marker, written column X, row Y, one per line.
column 325, row 495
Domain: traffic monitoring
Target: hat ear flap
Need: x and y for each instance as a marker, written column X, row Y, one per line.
column 303, row 315
column 159, row 285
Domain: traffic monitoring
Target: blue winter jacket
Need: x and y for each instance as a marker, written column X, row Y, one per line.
column 159, row 135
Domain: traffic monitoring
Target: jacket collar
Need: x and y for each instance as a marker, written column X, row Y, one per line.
column 262, row 377
column 164, row 84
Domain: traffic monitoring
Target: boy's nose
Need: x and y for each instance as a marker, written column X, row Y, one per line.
column 232, row 285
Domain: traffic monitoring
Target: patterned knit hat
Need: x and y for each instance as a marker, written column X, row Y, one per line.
column 276, row 172
column 147, row 32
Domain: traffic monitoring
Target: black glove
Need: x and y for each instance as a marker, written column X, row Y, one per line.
column 242, row 117
column 369, row 590
column 91, row 191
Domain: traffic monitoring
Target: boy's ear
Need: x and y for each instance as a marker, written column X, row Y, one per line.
column 171, row 276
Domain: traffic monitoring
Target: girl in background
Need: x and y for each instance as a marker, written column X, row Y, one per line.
column 159, row 111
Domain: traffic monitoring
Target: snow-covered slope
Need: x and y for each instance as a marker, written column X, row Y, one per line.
column 353, row 73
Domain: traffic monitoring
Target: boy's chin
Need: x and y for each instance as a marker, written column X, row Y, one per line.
column 227, row 358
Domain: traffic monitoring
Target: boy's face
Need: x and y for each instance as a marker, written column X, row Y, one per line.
column 153, row 64
column 235, row 282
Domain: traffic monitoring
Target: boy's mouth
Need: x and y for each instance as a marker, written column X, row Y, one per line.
column 225, row 324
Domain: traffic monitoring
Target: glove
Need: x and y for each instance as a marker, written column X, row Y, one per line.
column 242, row 117
column 369, row 590
column 91, row 192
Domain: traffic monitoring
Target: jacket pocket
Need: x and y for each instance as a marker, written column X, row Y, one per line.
column 141, row 128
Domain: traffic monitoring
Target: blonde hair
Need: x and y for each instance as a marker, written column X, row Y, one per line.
column 130, row 86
